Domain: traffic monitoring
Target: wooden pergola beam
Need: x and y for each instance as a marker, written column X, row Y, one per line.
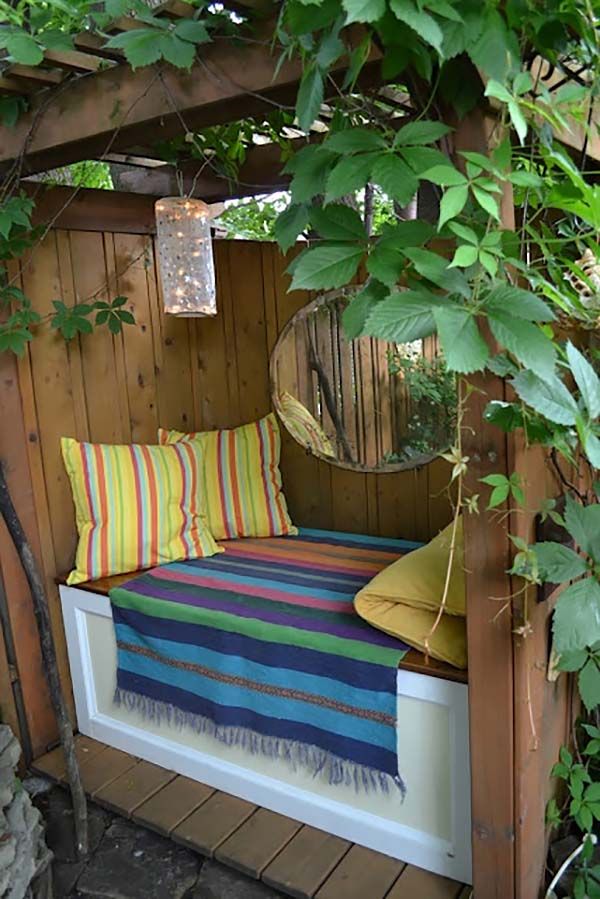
column 260, row 173
column 111, row 110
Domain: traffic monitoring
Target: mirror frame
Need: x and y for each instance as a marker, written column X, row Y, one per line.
column 417, row 461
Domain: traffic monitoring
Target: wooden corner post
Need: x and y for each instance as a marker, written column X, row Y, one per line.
column 489, row 623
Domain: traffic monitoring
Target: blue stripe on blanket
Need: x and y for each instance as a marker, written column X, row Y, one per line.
column 294, row 658
column 238, row 666
column 355, row 750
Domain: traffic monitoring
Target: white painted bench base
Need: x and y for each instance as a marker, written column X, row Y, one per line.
column 431, row 829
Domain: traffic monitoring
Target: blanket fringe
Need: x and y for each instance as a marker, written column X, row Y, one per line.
column 318, row 761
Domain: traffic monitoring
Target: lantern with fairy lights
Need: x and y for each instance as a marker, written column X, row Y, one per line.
column 185, row 257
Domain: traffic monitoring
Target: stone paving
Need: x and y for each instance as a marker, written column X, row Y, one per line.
column 129, row 862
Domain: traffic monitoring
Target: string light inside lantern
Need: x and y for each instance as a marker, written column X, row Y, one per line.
column 185, row 257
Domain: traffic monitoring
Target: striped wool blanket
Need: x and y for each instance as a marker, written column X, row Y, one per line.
column 260, row 647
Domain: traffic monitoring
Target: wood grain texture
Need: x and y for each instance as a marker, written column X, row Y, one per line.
column 256, row 843
column 489, row 626
column 52, row 764
column 361, row 873
column 172, row 804
column 134, row 787
column 213, row 822
column 414, row 883
column 100, row 770
column 306, row 862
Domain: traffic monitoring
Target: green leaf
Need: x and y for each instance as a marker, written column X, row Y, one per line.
column 444, row 175
column 310, row 97
column 403, row 317
column 24, row 49
column 436, row 269
column 466, row 233
column 524, row 340
column 464, row 348
column 176, row 51
column 589, row 690
column 10, row 110
column 518, row 302
column 338, row 222
column 489, row 262
column 422, row 132
column 289, row 224
column 573, row 660
column 420, row 159
column 583, row 524
column 350, row 174
column 547, row 396
column 326, row 266
column 425, row 25
column 141, row 46
column 360, row 307
column 495, row 50
column 558, row 563
column 497, row 90
column 190, row 30
column 465, row 256
column 305, row 19
column 386, row 262
column 452, row 204
column 525, row 179
column 330, row 49
column 518, row 119
column 591, row 445
column 488, row 203
column 387, row 258
column 355, row 140
column 363, row 10
column 310, row 167
column 576, row 621
column 395, row 178
column 586, row 379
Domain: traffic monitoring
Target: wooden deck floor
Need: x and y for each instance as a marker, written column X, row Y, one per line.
column 298, row 860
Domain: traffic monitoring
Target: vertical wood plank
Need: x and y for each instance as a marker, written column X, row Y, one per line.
column 132, row 260
column 93, row 276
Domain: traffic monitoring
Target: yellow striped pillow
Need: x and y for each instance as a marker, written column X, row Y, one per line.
column 136, row 507
column 242, row 481
column 303, row 426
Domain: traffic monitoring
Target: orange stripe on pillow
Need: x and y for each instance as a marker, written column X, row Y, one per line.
column 243, row 483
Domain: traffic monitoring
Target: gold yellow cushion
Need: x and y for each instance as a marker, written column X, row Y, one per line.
column 136, row 507
column 303, row 426
column 405, row 597
column 241, row 479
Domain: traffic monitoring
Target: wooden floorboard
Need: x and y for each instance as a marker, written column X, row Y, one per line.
column 213, row 822
column 301, row 861
column 414, row 883
column 172, row 805
column 133, row 787
column 361, row 874
column 102, row 769
column 257, row 842
column 53, row 763
column 306, row 862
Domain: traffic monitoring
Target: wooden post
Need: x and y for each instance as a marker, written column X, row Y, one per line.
column 489, row 623
column 42, row 616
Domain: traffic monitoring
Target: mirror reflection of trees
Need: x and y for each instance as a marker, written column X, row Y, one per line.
column 361, row 403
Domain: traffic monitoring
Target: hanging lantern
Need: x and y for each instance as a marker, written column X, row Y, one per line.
column 185, row 257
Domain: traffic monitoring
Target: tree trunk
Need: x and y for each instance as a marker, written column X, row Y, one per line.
column 42, row 617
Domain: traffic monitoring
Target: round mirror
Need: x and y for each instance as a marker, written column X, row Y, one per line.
column 364, row 404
